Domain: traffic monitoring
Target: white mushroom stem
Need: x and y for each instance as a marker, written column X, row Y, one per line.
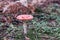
column 25, row 28
column 25, row 31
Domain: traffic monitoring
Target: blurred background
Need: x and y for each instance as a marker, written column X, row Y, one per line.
column 44, row 26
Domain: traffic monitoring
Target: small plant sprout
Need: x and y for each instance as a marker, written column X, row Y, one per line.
column 25, row 18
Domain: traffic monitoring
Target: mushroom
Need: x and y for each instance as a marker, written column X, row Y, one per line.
column 25, row 18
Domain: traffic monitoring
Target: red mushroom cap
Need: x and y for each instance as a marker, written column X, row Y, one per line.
column 25, row 17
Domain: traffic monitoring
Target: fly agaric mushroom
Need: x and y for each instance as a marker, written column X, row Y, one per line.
column 25, row 18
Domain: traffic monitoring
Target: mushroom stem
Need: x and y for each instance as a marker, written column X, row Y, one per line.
column 25, row 27
column 25, row 31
